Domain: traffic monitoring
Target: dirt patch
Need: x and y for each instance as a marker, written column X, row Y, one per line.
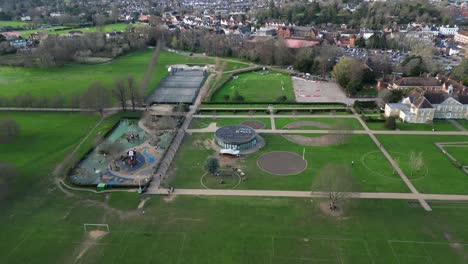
column 457, row 247
column 142, row 203
column 282, row 163
column 228, row 161
column 254, row 124
column 321, row 141
column 91, row 238
column 169, row 198
column 325, row 208
column 122, row 214
column 307, row 124
column 203, row 144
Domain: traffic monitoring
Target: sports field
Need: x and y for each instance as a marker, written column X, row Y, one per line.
column 39, row 223
column 257, row 87
column 438, row 175
column 371, row 168
column 259, row 230
column 316, row 123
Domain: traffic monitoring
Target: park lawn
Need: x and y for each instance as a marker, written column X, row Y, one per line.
column 220, row 122
column 44, row 139
column 107, row 28
column 371, row 168
column 14, row 24
column 208, row 106
column 42, row 225
column 74, row 79
column 439, row 174
column 439, row 125
column 257, row 87
column 241, row 112
column 352, row 122
column 460, row 153
column 267, row 230
column 59, row 30
column 230, row 105
column 27, row 32
column 463, row 122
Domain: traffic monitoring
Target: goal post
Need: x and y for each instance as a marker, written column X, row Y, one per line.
column 87, row 226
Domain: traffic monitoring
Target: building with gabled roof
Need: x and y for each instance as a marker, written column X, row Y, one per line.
column 423, row 107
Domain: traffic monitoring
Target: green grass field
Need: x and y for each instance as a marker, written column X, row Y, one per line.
column 4, row 23
column 267, row 230
column 44, row 139
column 464, row 123
column 75, row 79
column 439, row 125
column 205, row 122
column 64, row 30
column 40, row 224
column 371, row 168
column 460, row 153
column 439, row 174
column 282, row 122
column 255, row 87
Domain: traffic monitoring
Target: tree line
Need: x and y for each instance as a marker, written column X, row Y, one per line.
column 377, row 15
column 97, row 97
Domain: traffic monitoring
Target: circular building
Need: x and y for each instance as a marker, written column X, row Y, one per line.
column 236, row 137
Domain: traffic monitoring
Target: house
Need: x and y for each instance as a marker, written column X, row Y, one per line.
column 284, row 32
column 462, row 37
column 426, row 83
column 19, row 43
column 424, row 107
column 11, row 35
column 448, row 30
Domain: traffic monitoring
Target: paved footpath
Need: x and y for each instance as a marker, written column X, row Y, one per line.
column 365, row 132
column 395, row 166
column 302, row 194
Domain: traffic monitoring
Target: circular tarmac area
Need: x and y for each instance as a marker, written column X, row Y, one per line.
column 282, row 163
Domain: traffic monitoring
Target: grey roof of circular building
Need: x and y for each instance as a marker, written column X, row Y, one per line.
column 236, row 134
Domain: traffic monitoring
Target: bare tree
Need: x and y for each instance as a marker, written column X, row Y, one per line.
column 120, row 93
column 342, row 131
column 337, row 181
column 115, row 13
column 96, row 98
column 415, row 161
column 135, row 94
column 9, row 173
column 9, row 130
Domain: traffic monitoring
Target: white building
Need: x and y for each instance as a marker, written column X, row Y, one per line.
column 447, row 30
column 420, row 110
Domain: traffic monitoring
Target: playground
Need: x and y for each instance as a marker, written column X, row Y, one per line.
column 124, row 158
